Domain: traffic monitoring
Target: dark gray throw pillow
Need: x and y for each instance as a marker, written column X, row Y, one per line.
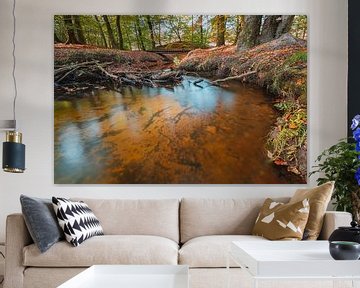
column 41, row 221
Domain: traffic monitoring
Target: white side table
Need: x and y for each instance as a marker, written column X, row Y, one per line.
column 131, row 276
column 287, row 261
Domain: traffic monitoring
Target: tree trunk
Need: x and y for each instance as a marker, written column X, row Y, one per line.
column 239, row 25
column 250, row 32
column 177, row 33
column 221, row 27
column 269, row 28
column 192, row 29
column 285, row 25
column 79, row 30
column 201, row 30
column 101, row 31
column 139, row 33
column 69, row 26
column 109, row 31
column 119, row 32
column 56, row 38
column 159, row 32
column 151, row 28
column 128, row 38
column 138, row 44
column 176, row 27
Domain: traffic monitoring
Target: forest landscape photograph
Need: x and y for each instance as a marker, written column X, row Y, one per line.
column 180, row 99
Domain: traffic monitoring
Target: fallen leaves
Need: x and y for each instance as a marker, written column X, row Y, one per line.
column 280, row 162
column 293, row 125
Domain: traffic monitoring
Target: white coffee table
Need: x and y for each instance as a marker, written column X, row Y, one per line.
column 292, row 260
column 131, row 276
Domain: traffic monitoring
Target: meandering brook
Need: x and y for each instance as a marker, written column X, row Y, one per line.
column 187, row 134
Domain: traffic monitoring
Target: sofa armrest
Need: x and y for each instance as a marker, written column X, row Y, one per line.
column 333, row 220
column 17, row 237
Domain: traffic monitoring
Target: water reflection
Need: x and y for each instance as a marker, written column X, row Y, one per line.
column 192, row 133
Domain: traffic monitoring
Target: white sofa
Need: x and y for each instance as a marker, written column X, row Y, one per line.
column 194, row 232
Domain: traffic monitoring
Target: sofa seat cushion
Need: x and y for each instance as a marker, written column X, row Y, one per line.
column 211, row 251
column 108, row 249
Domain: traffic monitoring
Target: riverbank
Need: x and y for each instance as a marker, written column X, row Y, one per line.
column 81, row 68
column 279, row 66
column 120, row 60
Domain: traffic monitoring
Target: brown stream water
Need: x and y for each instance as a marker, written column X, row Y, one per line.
column 184, row 135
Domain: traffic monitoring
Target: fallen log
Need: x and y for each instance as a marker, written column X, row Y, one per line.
column 233, row 77
column 60, row 69
column 112, row 76
column 165, row 75
column 70, row 77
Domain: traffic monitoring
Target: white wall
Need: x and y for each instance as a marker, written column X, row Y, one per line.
column 327, row 89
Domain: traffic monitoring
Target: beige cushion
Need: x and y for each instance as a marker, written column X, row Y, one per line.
column 211, row 251
column 319, row 198
column 279, row 221
column 108, row 249
column 137, row 217
column 200, row 217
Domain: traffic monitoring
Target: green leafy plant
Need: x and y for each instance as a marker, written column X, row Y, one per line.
column 285, row 106
column 341, row 163
column 300, row 56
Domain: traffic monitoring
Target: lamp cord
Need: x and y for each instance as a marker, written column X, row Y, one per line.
column 14, row 60
column 2, row 278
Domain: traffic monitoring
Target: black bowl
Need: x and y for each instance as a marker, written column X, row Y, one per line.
column 344, row 250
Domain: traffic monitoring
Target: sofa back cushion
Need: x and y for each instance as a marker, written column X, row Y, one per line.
column 158, row 217
column 200, row 217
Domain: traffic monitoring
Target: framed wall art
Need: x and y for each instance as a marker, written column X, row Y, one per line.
column 180, row 99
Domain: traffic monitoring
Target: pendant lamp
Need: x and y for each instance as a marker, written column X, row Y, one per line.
column 13, row 160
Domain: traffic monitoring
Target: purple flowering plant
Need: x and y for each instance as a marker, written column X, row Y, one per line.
column 355, row 126
column 341, row 163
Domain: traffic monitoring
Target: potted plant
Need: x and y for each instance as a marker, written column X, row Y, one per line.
column 341, row 163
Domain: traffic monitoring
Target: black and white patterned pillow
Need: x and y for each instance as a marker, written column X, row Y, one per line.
column 77, row 220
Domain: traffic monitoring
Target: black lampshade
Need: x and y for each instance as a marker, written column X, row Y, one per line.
column 13, row 153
